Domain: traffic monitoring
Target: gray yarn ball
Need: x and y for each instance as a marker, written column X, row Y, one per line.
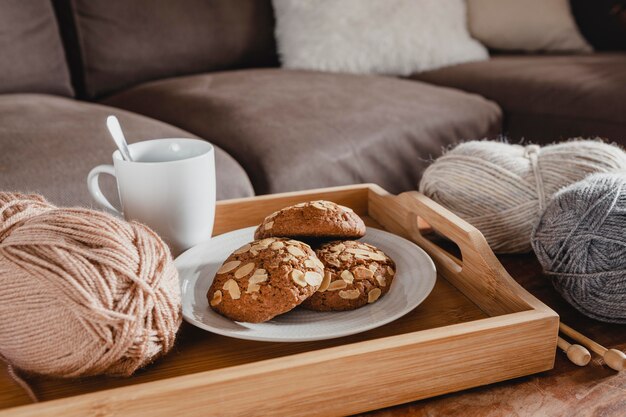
column 580, row 241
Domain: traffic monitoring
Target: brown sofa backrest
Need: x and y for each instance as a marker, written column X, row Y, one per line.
column 31, row 53
column 115, row 44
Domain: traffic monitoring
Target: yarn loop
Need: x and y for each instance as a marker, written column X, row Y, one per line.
column 82, row 292
column 532, row 153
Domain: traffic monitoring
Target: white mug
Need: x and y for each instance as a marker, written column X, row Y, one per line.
column 169, row 186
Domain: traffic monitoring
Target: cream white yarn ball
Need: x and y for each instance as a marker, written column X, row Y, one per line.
column 502, row 189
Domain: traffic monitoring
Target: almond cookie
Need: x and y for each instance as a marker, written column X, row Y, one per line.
column 313, row 219
column 356, row 274
column 265, row 278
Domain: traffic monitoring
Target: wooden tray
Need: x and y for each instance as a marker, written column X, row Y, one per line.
column 477, row 327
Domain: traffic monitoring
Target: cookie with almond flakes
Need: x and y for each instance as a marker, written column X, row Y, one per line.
column 313, row 219
column 265, row 278
column 356, row 274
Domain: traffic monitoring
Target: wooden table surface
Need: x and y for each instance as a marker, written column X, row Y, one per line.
column 567, row 390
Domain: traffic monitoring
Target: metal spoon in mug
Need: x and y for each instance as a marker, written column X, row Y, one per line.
column 118, row 137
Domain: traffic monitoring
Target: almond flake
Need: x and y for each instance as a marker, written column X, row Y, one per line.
column 257, row 279
column 325, row 282
column 319, row 263
column 363, row 273
column 373, row 295
column 277, row 245
column 228, row 266
column 313, row 262
column 252, row 288
column 217, row 298
column 349, row 294
column 358, row 251
column 295, row 251
column 233, row 289
column 254, row 281
column 260, row 271
column 338, row 247
column 381, row 280
column 269, row 225
column 390, row 271
column 377, row 257
column 333, row 262
column 244, row 270
column 313, row 278
column 245, row 248
column 319, row 206
column 298, row 277
column 347, row 276
column 372, row 267
column 337, row 285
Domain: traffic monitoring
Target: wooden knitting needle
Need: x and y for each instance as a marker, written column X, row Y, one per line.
column 577, row 354
column 614, row 358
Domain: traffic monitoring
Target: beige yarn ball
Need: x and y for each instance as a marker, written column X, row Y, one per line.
column 502, row 189
column 82, row 292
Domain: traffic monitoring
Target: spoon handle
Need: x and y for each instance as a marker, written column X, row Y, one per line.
column 118, row 136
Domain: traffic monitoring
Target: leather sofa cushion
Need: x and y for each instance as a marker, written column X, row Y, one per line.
column 547, row 98
column 31, row 52
column 117, row 44
column 49, row 144
column 295, row 130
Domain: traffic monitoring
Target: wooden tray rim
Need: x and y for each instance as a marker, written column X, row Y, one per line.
column 311, row 358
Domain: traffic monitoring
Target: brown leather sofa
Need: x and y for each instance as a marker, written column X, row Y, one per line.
column 209, row 69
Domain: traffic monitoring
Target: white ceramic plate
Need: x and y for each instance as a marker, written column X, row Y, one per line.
column 414, row 280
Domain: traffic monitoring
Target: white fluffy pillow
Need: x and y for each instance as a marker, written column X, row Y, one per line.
column 394, row 37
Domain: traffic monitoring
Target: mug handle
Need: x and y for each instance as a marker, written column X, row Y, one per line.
column 94, row 187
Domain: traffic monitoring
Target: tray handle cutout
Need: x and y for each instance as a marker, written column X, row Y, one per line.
column 478, row 273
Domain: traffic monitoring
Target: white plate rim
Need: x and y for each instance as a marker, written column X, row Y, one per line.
column 388, row 319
